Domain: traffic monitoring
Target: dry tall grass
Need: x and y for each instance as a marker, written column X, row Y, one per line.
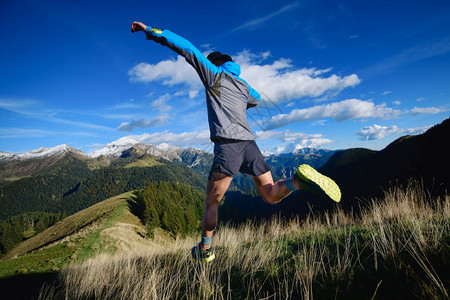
column 389, row 250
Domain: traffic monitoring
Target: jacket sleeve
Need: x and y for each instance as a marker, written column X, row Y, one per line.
column 254, row 98
column 205, row 69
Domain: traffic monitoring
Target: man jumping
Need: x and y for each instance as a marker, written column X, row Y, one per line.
column 227, row 98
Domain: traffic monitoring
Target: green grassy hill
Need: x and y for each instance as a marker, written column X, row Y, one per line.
column 75, row 237
column 107, row 227
column 82, row 221
column 111, row 227
column 397, row 248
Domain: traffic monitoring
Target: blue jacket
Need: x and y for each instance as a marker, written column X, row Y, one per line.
column 227, row 95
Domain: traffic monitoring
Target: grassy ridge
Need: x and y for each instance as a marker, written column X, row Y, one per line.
column 396, row 248
column 107, row 227
column 78, row 237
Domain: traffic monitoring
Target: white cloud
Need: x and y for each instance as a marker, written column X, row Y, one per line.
column 177, row 139
column 192, row 94
column 23, row 133
column 167, row 72
column 161, row 103
column 34, row 109
column 79, row 124
column 298, row 138
column 376, row 132
column 427, row 110
column 259, row 21
column 340, row 111
column 127, row 105
column 119, row 116
column 130, row 126
column 279, row 80
column 19, row 106
column 314, row 143
column 386, row 93
column 411, row 55
column 396, row 102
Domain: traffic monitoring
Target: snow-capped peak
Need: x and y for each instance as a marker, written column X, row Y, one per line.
column 115, row 148
column 39, row 153
column 167, row 147
column 289, row 149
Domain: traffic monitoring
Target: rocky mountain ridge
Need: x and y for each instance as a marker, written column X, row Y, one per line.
column 17, row 165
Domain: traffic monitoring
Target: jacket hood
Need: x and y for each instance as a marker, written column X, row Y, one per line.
column 232, row 68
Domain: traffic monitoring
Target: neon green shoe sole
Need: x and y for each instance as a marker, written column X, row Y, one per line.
column 209, row 258
column 312, row 180
column 203, row 255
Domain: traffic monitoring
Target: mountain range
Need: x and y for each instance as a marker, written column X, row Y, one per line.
column 48, row 179
column 33, row 161
column 28, row 163
column 128, row 152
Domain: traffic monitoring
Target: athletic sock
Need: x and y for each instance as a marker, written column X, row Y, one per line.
column 206, row 241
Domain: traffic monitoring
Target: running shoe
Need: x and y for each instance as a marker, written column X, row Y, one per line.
column 311, row 180
column 203, row 255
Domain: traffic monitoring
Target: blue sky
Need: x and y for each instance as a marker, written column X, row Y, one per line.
column 333, row 74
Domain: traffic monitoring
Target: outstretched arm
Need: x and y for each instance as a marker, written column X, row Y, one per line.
column 205, row 69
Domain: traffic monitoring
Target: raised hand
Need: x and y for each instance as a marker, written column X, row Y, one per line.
column 138, row 26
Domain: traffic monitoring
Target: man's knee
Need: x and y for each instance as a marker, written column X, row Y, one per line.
column 216, row 176
column 218, row 184
column 213, row 200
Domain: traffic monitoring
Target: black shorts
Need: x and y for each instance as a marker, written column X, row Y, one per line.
column 234, row 156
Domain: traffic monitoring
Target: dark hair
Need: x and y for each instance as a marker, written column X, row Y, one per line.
column 215, row 56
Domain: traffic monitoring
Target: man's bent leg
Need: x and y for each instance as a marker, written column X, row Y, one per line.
column 218, row 184
column 273, row 192
column 306, row 178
